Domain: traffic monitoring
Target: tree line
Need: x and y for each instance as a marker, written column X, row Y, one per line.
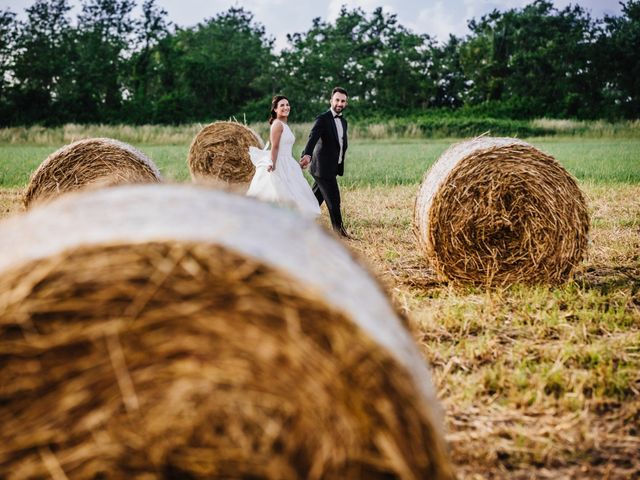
column 110, row 66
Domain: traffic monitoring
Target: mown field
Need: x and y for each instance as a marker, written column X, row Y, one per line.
column 536, row 382
column 377, row 162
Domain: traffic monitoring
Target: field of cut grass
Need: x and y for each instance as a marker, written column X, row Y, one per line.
column 378, row 162
column 536, row 382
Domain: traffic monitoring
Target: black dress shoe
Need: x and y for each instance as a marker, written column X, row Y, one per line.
column 343, row 233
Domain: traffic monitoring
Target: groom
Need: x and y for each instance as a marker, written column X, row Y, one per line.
column 325, row 151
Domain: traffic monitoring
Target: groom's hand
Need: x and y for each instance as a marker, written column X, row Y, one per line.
column 305, row 161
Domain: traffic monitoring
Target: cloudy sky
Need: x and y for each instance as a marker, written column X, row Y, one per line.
column 438, row 18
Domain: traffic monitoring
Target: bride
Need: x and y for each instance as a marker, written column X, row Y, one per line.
column 278, row 176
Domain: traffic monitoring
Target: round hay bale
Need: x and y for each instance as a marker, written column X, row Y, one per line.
column 89, row 162
column 498, row 211
column 182, row 332
column 221, row 151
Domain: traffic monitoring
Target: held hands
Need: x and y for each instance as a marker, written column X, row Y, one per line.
column 305, row 161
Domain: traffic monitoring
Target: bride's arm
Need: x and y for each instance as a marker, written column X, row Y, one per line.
column 276, row 134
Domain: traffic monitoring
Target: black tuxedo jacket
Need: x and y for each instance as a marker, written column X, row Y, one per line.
column 324, row 147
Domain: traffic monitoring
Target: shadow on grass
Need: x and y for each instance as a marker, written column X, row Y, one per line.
column 605, row 279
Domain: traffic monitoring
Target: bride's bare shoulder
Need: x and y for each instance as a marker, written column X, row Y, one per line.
column 277, row 125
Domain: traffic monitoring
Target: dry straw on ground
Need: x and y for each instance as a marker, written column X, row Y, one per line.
column 497, row 211
column 89, row 162
column 183, row 332
column 221, row 151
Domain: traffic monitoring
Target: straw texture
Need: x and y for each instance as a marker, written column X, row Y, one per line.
column 498, row 211
column 89, row 162
column 201, row 338
column 221, row 151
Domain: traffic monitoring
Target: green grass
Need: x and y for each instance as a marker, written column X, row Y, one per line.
column 17, row 162
column 380, row 162
column 405, row 162
column 599, row 160
column 171, row 160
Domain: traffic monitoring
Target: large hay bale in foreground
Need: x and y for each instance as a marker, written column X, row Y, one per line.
column 173, row 331
column 92, row 161
column 221, row 151
column 498, row 211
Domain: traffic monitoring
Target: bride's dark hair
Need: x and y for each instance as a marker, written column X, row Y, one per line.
column 274, row 104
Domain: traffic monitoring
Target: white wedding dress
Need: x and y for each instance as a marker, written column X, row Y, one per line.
column 286, row 185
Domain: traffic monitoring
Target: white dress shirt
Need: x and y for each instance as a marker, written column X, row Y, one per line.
column 340, row 131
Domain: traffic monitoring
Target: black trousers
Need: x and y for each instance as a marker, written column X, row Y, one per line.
column 326, row 190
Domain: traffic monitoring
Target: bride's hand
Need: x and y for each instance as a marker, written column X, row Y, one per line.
column 271, row 168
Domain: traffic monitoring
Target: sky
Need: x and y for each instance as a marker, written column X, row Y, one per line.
column 438, row 18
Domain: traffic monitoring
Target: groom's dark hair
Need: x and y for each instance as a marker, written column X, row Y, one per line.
column 339, row 90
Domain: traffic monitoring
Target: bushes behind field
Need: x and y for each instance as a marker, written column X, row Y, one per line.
column 439, row 124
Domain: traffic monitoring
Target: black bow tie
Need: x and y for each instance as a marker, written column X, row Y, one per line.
column 337, row 116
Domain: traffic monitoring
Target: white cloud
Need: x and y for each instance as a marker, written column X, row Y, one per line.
column 438, row 20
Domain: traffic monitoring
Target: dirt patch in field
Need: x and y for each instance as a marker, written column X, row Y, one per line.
column 10, row 201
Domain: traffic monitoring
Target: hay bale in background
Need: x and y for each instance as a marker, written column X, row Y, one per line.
column 92, row 161
column 498, row 211
column 179, row 331
column 221, row 151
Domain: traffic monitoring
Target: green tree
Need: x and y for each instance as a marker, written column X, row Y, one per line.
column 620, row 61
column 214, row 69
column 447, row 75
column 40, row 61
column 109, row 66
column 382, row 64
column 7, row 46
column 536, row 60
column 484, row 56
column 100, row 59
column 400, row 70
column 143, row 83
